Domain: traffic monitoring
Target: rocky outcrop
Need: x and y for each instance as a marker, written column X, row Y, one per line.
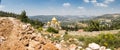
column 15, row 35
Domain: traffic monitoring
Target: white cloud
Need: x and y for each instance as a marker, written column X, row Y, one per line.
column 87, row 1
column 94, row 1
column 1, row 7
column 81, row 7
column 105, row 3
column 66, row 4
column 108, row 1
column 101, row 5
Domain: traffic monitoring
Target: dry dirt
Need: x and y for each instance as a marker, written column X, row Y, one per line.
column 15, row 35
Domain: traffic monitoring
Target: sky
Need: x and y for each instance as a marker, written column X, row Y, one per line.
column 61, row 7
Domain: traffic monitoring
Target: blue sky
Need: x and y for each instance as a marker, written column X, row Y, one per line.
column 61, row 7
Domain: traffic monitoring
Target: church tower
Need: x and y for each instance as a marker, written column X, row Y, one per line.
column 54, row 23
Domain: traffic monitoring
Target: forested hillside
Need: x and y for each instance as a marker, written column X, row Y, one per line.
column 8, row 14
column 23, row 17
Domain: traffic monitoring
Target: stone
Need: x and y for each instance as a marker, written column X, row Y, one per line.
column 94, row 46
column 102, row 48
column 33, row 43
column 58, row 46
column 88, row 49
column 30, row 48
column 72, row 47
column 108, row 49
column 49, row 46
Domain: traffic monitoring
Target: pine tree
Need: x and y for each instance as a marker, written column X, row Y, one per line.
column 23, row 17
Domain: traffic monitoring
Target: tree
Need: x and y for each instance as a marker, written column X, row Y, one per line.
column 93, row 26
column 36, row 23
column 76, row 28
column 23, row 17
column 116, row 23
column 8, row 14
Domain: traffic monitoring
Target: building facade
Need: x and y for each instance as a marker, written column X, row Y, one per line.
column 54, row 23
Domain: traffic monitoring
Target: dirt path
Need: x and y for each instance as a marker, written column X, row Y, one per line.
column 15, row 35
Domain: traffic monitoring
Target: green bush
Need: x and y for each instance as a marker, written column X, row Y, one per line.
column 108, row 40
column 95, row 25
column 116, row 23
column 24, row 18
column 8, row 14
column 40, row 29
column 52, row 30
column 66, row 37
column 55, row 38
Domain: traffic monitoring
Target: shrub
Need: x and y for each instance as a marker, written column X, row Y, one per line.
column 93, row 26
column 40, row 29
column 55, row 38
column 96, row 25
column 108, row 40
column 66, row 37
column 52, row 30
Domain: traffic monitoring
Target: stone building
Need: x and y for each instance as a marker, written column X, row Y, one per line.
column 54, row 23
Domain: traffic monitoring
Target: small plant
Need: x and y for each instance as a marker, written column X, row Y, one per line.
column 55, row 39
column 40, row 29
column 52, row 30
column 66, row 32
column 108, row 40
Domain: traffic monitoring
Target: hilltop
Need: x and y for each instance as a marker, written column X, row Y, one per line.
column 72, row 18
column 62, row 18
column 108, row 16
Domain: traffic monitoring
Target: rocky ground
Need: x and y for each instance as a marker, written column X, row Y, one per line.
column 15, row 35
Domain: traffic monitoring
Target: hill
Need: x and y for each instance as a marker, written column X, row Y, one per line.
column 62, row 18
column 8, row 14
column 23, row 17
column 108, row 16
column 15, row 35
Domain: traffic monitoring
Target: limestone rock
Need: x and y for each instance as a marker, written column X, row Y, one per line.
column 15, row 35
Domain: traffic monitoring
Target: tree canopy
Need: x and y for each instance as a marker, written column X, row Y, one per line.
column 23, row 17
